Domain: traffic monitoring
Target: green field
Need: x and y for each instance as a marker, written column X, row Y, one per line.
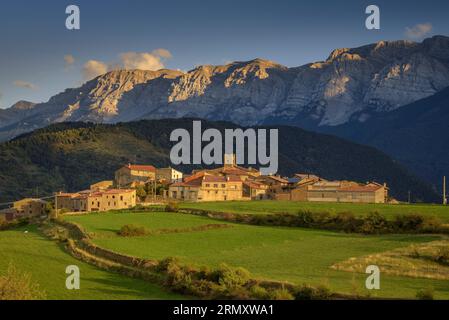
column 46, row 261
column 267, row 206
column 289, row 254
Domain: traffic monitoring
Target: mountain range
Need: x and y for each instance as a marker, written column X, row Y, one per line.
column 349, row 94
column 71, row 156
column 417, row 135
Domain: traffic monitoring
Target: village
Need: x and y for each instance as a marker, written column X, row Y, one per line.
column 147, row 185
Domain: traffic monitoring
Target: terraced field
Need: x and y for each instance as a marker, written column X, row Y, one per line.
column 29, row 251
column 264, row 207
column 288, row 254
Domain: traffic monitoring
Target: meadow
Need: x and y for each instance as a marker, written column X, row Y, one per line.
column 286, row 254
column 269, row 206
column 31, row 252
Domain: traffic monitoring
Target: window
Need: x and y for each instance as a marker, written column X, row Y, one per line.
column 215, row 185
column 207, row 185
column 121, row 199
column 223, row 186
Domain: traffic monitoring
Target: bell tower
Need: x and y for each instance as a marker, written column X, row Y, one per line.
column 230, row 160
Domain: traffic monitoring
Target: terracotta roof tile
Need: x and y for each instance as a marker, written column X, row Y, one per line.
column 141, row 167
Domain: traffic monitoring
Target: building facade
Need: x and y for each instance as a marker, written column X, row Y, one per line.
column 168, row 175
column 24, row 208
column 205, row 187
column 97, row 201
column 129, row 174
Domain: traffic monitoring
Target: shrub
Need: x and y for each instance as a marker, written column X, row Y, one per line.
column 409, row 222
column 374, row 223
column 229, row 277
column 280, row 294
column 165, row 264
column 172, row 207
column 425, row 294
column 347, row 221
column 131, row 230
column 258, row 292
column 305, row 217
column 306, row 292
column 19, row 286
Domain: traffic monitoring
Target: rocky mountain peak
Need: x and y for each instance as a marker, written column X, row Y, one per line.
column 351, row 85
column 23, row 105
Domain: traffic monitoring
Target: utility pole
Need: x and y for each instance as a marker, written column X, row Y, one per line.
column 409, row 197
column 56, row 205
column 444, row 191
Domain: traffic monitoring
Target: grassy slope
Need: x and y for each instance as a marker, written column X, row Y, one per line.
column 389, row 211
column 292, row 254
column 46, row 262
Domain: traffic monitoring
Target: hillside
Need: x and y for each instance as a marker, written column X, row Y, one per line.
column 71, row 156
column 352, row 84
column 416, row 135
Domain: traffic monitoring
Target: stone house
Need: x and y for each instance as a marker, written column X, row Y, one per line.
column 168, row 175
column 94, row 200
column 132, row 174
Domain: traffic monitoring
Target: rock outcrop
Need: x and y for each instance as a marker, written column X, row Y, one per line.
column 351, row 85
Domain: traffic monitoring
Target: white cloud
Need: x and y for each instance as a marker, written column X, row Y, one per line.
column 69, row 60
column 163, row 53
column 418, row 31
column 153, row 60
column 94, row 68
column 144, row 60
column 24, row 84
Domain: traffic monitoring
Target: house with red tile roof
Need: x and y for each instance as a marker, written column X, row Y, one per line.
column 132, row 174
column 206, row 187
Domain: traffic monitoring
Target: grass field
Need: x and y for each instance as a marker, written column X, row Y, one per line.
column 46, row 261
column 263, row 207
column 290, row 254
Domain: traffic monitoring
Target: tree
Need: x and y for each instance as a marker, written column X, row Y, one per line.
column 141, row 193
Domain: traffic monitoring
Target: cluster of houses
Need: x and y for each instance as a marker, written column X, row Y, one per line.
column 227, row 183
column 233, row 182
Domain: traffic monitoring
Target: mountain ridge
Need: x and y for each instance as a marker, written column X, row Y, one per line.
column 350, row 85
column 71, row 156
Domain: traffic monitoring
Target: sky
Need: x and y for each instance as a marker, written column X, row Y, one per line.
column 40, row 57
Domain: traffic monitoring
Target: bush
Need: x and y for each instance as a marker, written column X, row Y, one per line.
column 259, row 293
column 425, row 294
column 409, row 222
column 306, row 292
column 19, row 286
column 375, row 223
column 280, row 294
column 172, row 207
column 131, row 230
column 229, row 277
column 165, row 264
column 305, row 217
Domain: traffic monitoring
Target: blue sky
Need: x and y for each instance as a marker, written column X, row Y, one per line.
column 34, row 39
